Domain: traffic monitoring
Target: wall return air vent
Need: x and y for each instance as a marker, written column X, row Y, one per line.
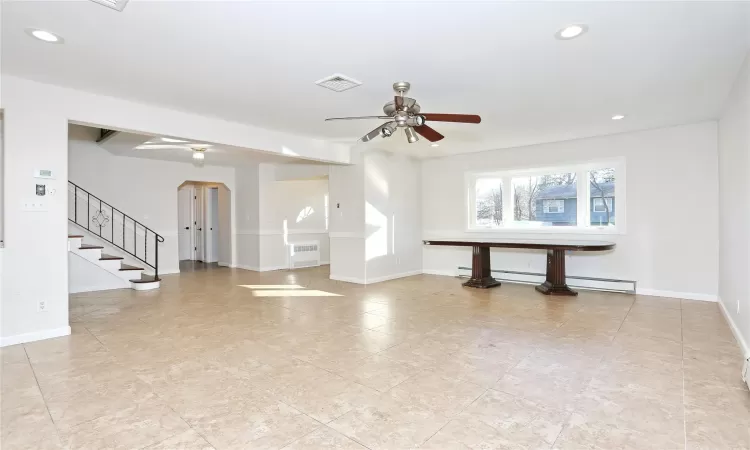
column 338, row 82
column 117, row 5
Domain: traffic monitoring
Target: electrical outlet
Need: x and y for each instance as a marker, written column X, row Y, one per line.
column 41, row 306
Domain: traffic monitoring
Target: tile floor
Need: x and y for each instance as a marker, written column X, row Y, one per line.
column 231, row 359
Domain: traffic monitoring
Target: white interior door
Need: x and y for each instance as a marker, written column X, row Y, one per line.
column 185, row 222
column 212, row 224
column 200, row 224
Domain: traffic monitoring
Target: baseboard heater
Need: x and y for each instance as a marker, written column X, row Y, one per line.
column 304, row 254
column 595, row 284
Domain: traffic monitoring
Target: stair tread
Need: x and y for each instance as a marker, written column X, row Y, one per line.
column 90, row 247
column 124, row 266
column 145, row 279
column 109, row 257
column 75, row 236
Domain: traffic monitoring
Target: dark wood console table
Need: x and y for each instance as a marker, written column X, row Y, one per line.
column 481, row 276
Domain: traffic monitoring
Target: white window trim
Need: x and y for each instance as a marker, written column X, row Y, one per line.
column 583, row 191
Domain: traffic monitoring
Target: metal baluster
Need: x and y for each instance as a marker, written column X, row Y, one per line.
column 100, row 212
column 156, row 254
column 75, row 204
column 145, row 247
column 123, row 231
column 135, row 252
column 88, row 210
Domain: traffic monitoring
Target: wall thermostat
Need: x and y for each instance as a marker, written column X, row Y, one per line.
column 42, row 173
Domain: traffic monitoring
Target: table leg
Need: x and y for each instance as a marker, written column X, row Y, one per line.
column 480, row 269
column 555, row 284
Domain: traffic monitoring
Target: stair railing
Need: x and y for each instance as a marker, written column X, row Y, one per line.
column 99, row 217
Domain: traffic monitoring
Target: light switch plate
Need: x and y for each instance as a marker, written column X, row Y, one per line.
column 33, row 206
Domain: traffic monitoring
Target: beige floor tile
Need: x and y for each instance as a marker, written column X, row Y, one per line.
column 133, row 427
column 583, row 433
column 517, row 416
column 28, row 427
column 382, row 362
column 711, row 431
column 266, row 426
column 326, row 397
column 439, row 394
column 377, row 372
column 464, row 433
column 389, row 424
column 188, row 440
column 324, row 438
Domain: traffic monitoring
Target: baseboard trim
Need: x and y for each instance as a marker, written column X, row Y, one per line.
column 260, row 269
column 444, row 273
column 375, row 280
column 347, row 279
column 394, row 276
column 34, row 336
column 674, row 294
column 225, row 264
column 735, row 331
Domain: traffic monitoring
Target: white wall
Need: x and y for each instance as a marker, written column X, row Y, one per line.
column 36, row 245
column 375, row 218
column 393, row 225
column 142, row 188
column 734, row 201
column 672, row 173
column 347, row 221
column 247, row 206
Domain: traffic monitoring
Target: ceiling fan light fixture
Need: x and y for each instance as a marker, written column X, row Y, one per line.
column 411, row 135
column 571, row 31
column 387, row 131
column 199, row 154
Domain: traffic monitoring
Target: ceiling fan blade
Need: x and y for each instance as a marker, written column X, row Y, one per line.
column 460, row 118
column 428, row 133
column 359, row 117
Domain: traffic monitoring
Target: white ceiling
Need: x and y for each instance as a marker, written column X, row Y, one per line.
column 661, row 63
column 138, row 146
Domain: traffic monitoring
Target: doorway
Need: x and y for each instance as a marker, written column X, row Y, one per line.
column 204, row 218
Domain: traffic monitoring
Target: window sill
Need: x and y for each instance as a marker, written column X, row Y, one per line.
column 548, row 230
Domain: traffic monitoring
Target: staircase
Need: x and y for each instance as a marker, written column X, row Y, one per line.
column 120, row 233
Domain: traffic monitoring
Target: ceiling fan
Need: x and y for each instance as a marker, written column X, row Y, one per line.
column 404, row 112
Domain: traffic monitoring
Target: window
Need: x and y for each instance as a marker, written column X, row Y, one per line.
column 488, row 202
column 602, row 196
column 553, row 206
column 540, row 200
column 548, row 199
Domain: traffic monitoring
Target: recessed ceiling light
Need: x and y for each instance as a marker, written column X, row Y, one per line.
column 434, row 145
column 571, row 31
column 45, row 36
column 618, row 117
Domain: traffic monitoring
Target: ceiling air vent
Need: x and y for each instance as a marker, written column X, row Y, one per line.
column 338, row 82
column 117, row 5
